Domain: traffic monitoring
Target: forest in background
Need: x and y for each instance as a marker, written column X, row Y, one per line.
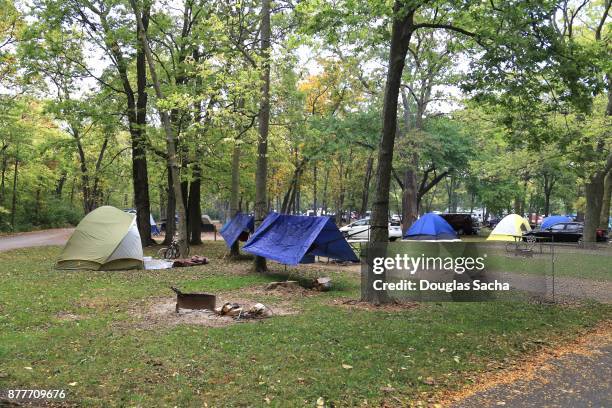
column 259, row 106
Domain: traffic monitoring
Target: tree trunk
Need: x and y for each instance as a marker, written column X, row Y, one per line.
column 140, row 173
column 170, row 140
column 401, row 32
column 325, row 184
column 170, row 211
column 314, row 189
column 261, row 175
column 365, row 194
column 594, row 190
column 234, row 193
column 195, row 209
column 604, row 218
column 2, row 183
column 58, row 189
column 14, row 201
column 410, row 196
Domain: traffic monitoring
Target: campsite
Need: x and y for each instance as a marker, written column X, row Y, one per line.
column 305, row 203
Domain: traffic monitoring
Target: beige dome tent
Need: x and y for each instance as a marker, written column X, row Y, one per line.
column 512, row 225
column 105, row 239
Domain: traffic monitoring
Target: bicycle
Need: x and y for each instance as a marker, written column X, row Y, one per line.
column 171, row 252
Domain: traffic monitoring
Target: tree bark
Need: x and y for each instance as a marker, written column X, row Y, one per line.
column 195, row 210
column 4, row 166
column 594, row 189
column 170, row 210
column 604, row 218
column 140, row 173
column 314, row 189
column 261, row 175
column 234, row 193
column 365, row 194
column 170, row 140
column 410, row 196
column 401, row 31
column 14, row 201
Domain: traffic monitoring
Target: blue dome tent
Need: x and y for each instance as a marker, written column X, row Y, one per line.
column 235, row 227
column 431, row 227
column 293, row 239
column 554, row 219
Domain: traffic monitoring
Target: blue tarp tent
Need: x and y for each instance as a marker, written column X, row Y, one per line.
column 291, row 239
column 236, row 226
column 430, row 227
column 554, row 219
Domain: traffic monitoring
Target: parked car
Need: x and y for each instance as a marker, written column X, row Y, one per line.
column 360, row 229
column 462, row 223
column 564, row 232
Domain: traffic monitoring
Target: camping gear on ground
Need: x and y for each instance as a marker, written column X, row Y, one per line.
column 154, row 228
column 322, row 284
column 431, row 227
column 193, row 261
column 194, row 300
column 105, row 239
column 156, row 264
column 554, row 219
column 293, row 239
column 235, row 228
column 510, row 227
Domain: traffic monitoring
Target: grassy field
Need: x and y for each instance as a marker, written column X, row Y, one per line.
column 105, row 353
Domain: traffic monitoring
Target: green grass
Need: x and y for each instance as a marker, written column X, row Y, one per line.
column 289, row 360
column 568, row 262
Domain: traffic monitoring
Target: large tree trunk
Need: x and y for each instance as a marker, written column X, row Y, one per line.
column 401, row 32
column 410, row 195
column 195, row 210
column 261, row 175
column 234, row 193
column 170, row 140
column 604, row 218
column 140, row 173
column 594, row 189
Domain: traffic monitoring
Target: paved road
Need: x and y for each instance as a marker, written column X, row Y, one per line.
column 58, row 237
column 573, row 380
column 35, row 238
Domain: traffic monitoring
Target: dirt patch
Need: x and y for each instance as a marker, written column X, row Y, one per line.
column 532, row 366
column 359, row 305
column 68, row 317
column 161, row 312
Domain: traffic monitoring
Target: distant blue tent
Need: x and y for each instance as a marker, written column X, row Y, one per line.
column 236, row 226
column 154, row 227
column 430, row 227
column 554, row 219
column 293, row 239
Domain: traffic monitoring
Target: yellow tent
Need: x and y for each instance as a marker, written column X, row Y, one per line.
column 510, row 226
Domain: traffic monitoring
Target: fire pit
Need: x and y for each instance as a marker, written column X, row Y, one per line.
column 194, row 300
